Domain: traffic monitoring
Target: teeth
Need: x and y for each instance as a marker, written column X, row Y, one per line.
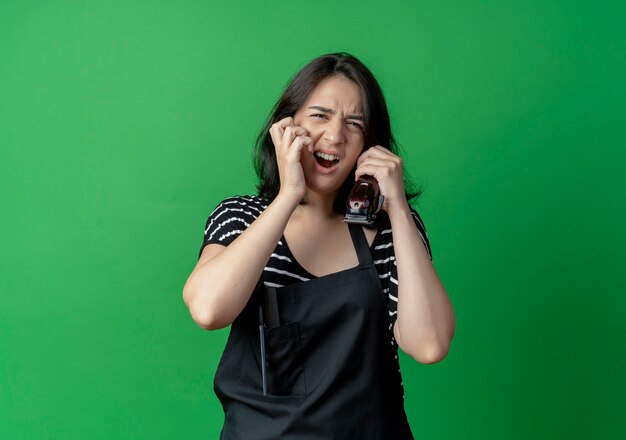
column 326, row 156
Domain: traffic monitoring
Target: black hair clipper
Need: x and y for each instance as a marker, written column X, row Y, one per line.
column 364, row 202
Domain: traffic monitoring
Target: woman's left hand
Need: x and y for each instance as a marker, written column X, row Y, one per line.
column 386, row 168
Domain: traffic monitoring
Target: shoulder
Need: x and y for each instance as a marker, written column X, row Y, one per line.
column 384, row 239
column 247, row 205
column 231, row 217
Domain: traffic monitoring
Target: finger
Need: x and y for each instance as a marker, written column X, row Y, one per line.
column 367, row 155
column 392, row 159
column 279, row 126
column 288, row 136
column 378, row 173
column 285, row 122
column 381, row 149
column 275, row 135
column 378, row 154
column 276, row 127
column 377, row 162
column 295, row 150
column 300, row 142
column 303, row 135
column 291, row 133
column 390, row 164
column 296, row 130
column 377, row 151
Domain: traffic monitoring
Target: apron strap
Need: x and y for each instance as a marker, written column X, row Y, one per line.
column 360, row 244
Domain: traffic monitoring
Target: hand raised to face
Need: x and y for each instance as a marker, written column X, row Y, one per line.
column 289, row 140
column 387, row 169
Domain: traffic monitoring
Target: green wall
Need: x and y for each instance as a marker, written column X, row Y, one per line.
column 123, row 123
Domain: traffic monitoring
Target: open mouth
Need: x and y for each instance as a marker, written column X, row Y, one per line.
column 326, row 160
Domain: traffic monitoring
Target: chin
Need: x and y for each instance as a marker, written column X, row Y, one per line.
column 329, row 190
column 325, row 184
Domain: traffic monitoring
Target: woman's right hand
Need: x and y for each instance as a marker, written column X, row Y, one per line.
column 289, row 140
column 220, row 285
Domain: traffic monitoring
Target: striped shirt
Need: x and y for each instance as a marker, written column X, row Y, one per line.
column 233, row 215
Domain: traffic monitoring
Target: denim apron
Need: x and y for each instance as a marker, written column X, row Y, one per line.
column 313, row 360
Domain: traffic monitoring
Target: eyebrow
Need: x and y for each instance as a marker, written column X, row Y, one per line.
column 332, row 112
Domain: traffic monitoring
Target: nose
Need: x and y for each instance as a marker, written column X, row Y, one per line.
column 334, row 132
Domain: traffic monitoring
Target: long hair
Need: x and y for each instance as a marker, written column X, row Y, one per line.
column 377, row 124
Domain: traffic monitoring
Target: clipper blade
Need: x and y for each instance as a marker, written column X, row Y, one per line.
column 359, row 219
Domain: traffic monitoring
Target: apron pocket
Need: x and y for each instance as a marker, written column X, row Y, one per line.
column 284, row 360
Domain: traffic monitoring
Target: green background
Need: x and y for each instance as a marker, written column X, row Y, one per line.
column 123, row 124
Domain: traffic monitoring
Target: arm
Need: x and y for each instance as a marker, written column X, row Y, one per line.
column 425, row 320
column 224, row 278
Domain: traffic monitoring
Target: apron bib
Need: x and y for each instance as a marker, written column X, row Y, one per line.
column 313, row 360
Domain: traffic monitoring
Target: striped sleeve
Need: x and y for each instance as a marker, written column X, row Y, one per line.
column 230, row 218
column 422, row 230
column 389, row 275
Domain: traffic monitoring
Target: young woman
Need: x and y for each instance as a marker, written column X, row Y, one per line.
column 318, row 307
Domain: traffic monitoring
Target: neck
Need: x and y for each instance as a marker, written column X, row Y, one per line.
column 317, row 205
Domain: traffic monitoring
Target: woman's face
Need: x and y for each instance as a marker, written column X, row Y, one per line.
column 333, row 117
